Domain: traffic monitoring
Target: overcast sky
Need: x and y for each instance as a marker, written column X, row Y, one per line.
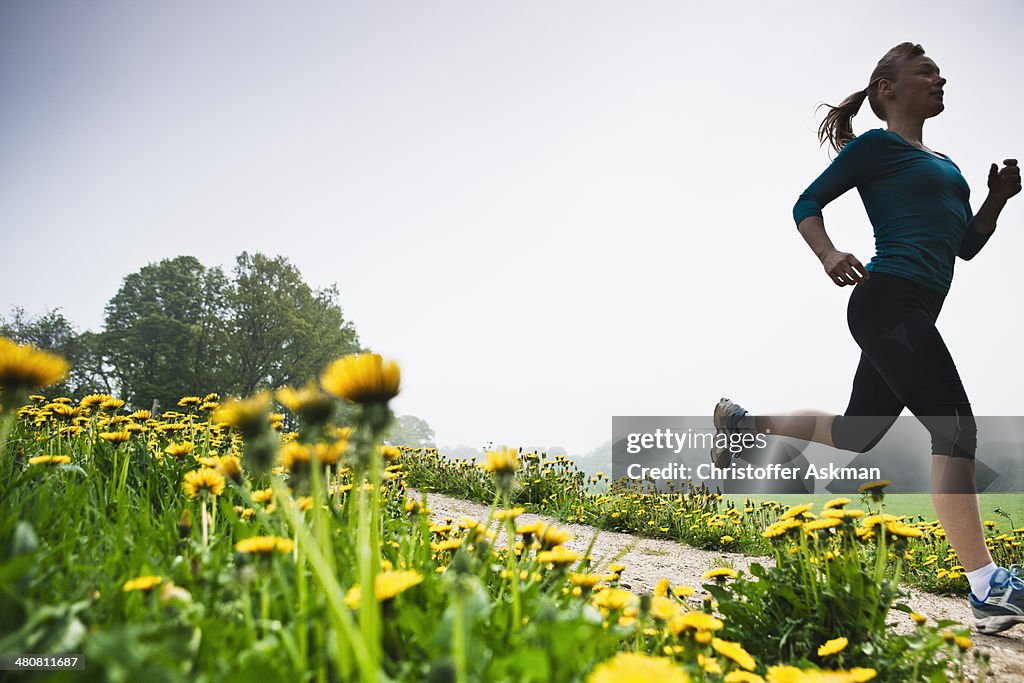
column 549, row 213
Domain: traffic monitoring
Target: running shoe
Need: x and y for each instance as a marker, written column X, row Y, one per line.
column 726, row 415
column 1004, row 606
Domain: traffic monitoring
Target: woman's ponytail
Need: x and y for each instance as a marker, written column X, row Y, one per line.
column 837, row 128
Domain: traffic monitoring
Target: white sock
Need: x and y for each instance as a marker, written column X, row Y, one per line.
column 980, row 578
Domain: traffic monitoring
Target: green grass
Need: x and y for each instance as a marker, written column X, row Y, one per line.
column 910, row 504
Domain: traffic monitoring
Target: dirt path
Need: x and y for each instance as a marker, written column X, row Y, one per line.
column 648, row 560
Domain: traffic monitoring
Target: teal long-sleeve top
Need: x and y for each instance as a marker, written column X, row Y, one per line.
column 918, row 204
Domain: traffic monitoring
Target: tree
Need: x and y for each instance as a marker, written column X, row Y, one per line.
column 280, row 330
column 177, row 328
column 409, row 430
column 165, row 335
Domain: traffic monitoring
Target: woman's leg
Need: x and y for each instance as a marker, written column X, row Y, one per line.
column 958, row 512
column 872, row 410
column 918, row 366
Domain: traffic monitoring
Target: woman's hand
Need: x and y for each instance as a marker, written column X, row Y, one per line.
column 1004, row 183
column 843, row 268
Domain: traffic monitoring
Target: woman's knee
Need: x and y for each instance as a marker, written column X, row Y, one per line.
column 860, row 433
column 954, row 435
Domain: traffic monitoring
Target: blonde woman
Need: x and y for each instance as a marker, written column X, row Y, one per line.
column 918, row 203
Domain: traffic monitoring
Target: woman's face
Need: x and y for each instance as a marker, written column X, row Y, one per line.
column 917, row 90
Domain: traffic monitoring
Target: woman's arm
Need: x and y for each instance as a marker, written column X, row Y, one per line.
column 1002, row 184
column 853, row 165
column 842, row 268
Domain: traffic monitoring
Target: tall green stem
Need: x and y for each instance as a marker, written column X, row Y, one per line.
column 459, row 639
column 513, row 567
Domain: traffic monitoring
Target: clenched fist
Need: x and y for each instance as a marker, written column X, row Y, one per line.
column 1005, row 182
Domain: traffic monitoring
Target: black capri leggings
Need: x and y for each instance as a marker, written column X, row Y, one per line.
column 903, row 363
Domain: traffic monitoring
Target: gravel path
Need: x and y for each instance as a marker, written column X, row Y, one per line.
column 648, row 560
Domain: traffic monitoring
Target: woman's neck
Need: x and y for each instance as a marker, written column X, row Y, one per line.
column 910, row 129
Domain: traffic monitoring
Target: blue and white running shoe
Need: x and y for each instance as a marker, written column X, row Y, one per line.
column 1004, row 606
column 726, row 416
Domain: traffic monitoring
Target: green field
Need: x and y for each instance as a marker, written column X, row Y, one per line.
column 910, row 504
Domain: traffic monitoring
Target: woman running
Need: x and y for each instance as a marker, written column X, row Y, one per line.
column 918, row 204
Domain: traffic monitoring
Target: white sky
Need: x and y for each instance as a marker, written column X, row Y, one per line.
column 548, row 213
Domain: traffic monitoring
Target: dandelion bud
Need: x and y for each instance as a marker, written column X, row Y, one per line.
column 461, row 564
column 185, row 524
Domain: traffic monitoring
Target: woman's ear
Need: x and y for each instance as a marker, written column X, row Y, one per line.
column 885, row 88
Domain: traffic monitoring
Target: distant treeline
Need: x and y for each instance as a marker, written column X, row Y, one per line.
column 177, row 328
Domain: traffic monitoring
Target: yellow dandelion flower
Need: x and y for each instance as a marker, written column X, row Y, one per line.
column 446, row 545
column 49, row 460
column 819, row 524
column 387, row 585
column 179, row 449
column 231, row 467
column 859, row 674
column 871, row 521
column 530, row 528
column 836, row 503
column 832, row 647
column 918, row 618
column 559, row 555
column 742, row 677
column 248, row 416
column 796, row 511
column 294, row 456
column 550, row 536
column 512, row 513
column 786, row 674
column 734, row 652
column 203, row 482
column 709, row 664
column 309, row 402
column 873, row 486
column 93, row 400
column 501, row 461
column 362, row 378
column 389, row 453
column 265, row 545
column 841, row 514
column 661, row 588
column 963, row 642
column 613, row 599
column 663, row 608
column 23, row 367
column 63, row 411
column 142, row 583
column 189, row 401
column 780, row 528
column 720, row 573
column 900, row 529
column 697, row 620
column 633, row 667
column 262, row 495
column 111, row 403
column 116, row 437
column 584, row 580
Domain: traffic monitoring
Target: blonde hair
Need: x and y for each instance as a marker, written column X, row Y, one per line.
column 837, row 128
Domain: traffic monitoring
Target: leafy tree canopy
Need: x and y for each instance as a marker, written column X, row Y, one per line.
column 177, row 328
